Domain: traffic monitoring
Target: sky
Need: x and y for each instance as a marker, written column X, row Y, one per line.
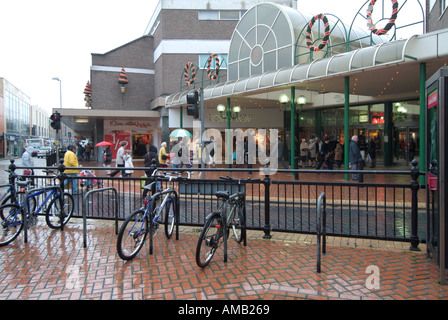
column 43, row 39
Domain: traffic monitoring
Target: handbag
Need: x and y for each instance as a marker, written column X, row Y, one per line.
column 164, row 157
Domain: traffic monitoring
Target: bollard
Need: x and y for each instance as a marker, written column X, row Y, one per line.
column 414, row 210
column 267, row 210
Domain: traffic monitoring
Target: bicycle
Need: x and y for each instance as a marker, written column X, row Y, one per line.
column 219, row 223
column 10, row 195
column 158, row 208
column 17, row 215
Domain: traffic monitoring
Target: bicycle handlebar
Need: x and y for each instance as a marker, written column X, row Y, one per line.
column 240, row 180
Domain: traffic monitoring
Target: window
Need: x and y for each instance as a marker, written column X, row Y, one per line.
column 220, row 14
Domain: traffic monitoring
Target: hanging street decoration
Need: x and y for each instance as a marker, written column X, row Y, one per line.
column 189, row 73
column 389, row 25
column 213, row 73
column 309, row 42
column 123, row 80
column 88, row 94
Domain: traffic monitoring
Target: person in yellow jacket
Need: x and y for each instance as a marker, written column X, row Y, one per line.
column 71, row 160
column 162, row 152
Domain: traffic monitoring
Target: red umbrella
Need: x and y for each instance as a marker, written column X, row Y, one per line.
column 103, row 144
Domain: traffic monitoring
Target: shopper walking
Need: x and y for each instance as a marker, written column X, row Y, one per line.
column 107, row 158
column 163, row 155
column 71, row 161
column 119, row 160
column 355, row 157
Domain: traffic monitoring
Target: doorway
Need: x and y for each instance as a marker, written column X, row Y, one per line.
column 406, row 145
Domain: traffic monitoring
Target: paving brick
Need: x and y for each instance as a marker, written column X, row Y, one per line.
column 55, row 266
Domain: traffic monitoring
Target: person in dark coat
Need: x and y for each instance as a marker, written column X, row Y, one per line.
column 372, row 153
column 107, row 158
column 355, row 157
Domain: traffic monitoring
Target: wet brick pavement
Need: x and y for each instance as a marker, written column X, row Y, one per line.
column 54, row 265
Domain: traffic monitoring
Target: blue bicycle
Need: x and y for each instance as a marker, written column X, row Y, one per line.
column 57, row 205
column 158, row 208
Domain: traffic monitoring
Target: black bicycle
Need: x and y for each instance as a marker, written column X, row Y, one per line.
column 219, row 223
column 158, row 208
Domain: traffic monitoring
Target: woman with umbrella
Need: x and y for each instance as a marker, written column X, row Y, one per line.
column 107, row 154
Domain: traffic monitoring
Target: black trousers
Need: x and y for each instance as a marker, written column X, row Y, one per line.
column 118, row 170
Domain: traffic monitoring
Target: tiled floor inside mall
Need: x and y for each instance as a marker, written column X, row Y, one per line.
column 54, row 265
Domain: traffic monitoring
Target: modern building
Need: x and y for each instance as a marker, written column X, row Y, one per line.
column 356, row 82
column 178, row 31
column 15, row 120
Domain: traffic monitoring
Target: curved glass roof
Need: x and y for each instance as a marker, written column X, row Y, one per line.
column 270, row 37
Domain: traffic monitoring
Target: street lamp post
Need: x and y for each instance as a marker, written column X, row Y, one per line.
column 60, row 91
column 229, row 116
column 301, row 100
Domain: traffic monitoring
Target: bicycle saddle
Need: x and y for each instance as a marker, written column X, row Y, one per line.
column 222, row 194
column 24, row 183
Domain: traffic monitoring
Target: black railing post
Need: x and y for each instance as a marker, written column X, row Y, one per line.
column 267, row 208
column 414, row 213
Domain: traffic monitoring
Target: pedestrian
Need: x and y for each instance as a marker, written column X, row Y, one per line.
column 325, row 155
column 372, row 153
column 163, row 155
column 338, row 155
column 312, row 153
column 412, row 148
column 362, row 145
column 280, row 153
column 71, row 161
column 119, row 161
column 177, row 161
column 28, row 162
column 151, row 163
column 128, row 163
column 107, row 158
column 87, row 151
column 303, row 153
column 355, row 157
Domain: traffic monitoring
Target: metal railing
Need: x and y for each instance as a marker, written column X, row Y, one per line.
column 374, row 210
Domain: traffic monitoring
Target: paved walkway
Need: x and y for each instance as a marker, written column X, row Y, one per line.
column 53, row 265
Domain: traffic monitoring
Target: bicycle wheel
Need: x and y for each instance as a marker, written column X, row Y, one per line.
column 132, row 235
column 170, row 217
column 9, row 199
column 209, row 240
column 236, row 223
column 53, row 214
column 12, row 224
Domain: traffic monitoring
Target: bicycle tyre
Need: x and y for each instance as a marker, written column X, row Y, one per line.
column 9, row 200
column 170, row 217
column 237, row 224
column 135, row 227
column 53, row 214
column 209, row 240
column 12, row 224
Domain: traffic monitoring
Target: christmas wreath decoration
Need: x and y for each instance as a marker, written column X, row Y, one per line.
column 309, row 42
column 189, row 73
column 213, row 73
column 389, row 25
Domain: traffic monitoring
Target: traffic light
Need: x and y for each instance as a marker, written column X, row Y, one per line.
column 192, row 100
column 56, row 120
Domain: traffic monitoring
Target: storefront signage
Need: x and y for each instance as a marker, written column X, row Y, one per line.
column 432, row 99
column 242, row 117
column 127, row 125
